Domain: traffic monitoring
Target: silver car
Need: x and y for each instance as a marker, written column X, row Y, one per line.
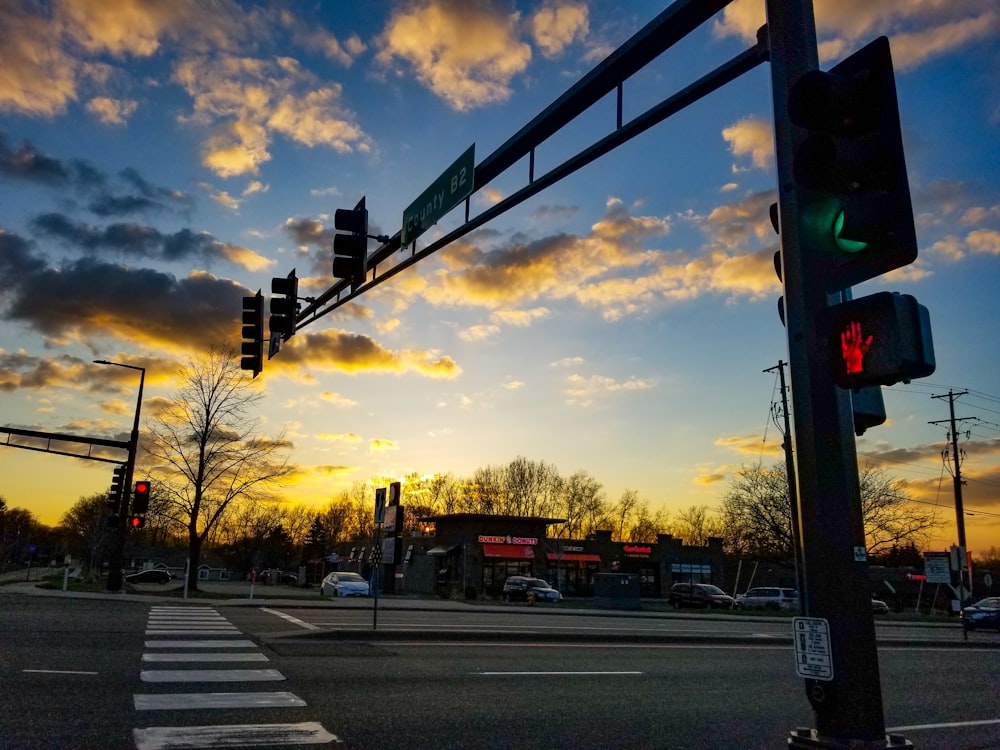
column 344, row 584
column 769, row 597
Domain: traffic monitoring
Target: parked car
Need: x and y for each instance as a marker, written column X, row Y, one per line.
column 527, row 589
column 983, row 614
column 769, row 597
column 344, row 584
column 153, row 575
column 879, row 607
column 703, row 595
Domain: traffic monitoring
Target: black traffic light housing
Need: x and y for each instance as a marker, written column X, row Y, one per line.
column 350, row 251
column 140, row 497
column 285, row 306
column 117, row 488
column 850, row 170
column 881, row 339
column 253, row 334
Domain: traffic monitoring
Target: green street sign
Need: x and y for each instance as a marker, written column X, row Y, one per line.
column 447, row 191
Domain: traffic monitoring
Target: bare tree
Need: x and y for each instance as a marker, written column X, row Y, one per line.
column 624, row 511
column 696, row 524
column 86, row 529
column 890, row 518
column 207, row 451
column 756, row 513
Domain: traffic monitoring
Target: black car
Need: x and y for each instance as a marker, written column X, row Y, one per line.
column 527, row 589
column 154, row 575
column 983, row 614
column 703, row 595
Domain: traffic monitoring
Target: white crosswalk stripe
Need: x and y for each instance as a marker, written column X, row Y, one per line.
column 170, row 629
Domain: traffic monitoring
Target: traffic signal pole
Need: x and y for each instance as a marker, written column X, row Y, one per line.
column 846, row 696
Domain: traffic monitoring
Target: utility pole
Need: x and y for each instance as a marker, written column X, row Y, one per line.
column 793, row 492
column 957, row 483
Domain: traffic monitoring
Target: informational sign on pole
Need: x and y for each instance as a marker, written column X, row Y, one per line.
column 937, row 567
column 813, row 657
column 452, row 187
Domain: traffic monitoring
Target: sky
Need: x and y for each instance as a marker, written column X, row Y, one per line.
column 160, row 160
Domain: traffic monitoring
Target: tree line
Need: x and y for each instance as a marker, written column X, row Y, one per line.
column 217, row 482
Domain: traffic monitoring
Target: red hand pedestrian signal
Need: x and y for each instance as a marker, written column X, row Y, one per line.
column 853, row 347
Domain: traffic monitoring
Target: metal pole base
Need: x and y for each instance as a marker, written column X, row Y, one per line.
column 808, row 739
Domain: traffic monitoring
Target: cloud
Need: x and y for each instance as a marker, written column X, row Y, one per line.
column 112, row 111
column 381, row 444
column 752, row 137
column 91, row 301
column 466, row 53
column 918, row 31
column 557, row 25
column 582, row 391
column 750, row 444
column 141, row 241
column 353, row 353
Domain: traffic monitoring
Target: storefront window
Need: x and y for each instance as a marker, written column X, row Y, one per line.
column 691, row 573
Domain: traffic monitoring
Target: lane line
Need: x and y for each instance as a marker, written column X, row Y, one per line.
column 185, row 701
column 203, row 657
column 289, row 618
column 164, row 738
column 211, row 675
column 219, row 643
column 57, row 671
column 553, row 673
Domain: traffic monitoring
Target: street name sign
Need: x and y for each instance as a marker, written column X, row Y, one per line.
column 447, row 191
column 813, row 659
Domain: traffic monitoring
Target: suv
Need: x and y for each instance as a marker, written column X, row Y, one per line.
column 526, row 589
column 703, row 595
column 769, row 597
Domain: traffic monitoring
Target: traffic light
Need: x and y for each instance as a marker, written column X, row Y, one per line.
column 880, row 339
column 849, row 170
column 284, row 307
column 136, row 522
column 140, row 497
column 350, row 251
column 253, row 334
column 117, row 487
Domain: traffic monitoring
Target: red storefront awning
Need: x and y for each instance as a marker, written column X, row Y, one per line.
column 509, row 551
column 573, row 556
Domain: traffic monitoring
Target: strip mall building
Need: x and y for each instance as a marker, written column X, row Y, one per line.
column 475, row 554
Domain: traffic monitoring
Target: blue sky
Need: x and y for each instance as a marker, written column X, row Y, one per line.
column 160, row 160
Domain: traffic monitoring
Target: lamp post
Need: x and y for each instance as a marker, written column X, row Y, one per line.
column 118, row 547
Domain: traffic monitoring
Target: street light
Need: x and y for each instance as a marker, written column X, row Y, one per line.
column 118, row 548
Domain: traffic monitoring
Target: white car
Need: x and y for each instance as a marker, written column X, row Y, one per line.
column 344, row 584
column 769, row 597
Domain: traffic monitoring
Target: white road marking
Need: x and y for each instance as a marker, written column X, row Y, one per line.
column 57, row 671
column 203, row 657
column 289, row 618
column 554, row 673
column 945, row 725
column 193, row 631
column 162, row 738
column 184, row 701
column 211, row 675
column 201, row 644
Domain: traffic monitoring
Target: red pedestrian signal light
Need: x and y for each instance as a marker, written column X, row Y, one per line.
column 880, row 339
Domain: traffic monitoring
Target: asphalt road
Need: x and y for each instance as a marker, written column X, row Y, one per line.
column 73, row 673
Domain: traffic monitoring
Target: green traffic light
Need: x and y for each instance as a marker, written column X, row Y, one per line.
column 848, row 246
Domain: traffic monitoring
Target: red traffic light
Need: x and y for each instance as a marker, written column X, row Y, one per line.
column 136, row 522
column 142, row 486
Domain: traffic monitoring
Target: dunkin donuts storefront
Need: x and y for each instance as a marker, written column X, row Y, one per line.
column 479, row 552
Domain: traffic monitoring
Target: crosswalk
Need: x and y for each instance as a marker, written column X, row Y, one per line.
column 199, row 648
